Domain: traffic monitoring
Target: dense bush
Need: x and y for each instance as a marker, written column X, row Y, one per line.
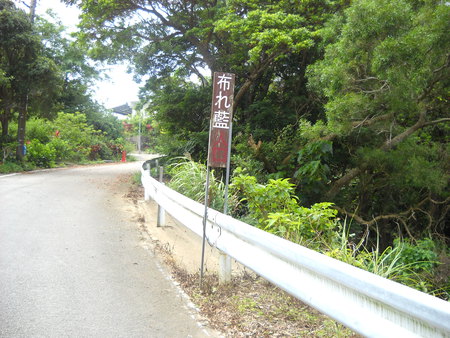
column 274, row 207
column 63, row 150
column 413, row 264
column 42, row 155
column 39, row 129
column 68, row 138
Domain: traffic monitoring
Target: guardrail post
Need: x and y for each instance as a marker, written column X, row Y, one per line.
column 161, row 220
column 224, row 268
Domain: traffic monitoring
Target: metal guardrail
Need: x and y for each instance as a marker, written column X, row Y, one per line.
column 368, row 304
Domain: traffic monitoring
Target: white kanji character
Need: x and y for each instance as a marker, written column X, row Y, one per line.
column 221, row 119
column 221, row 98
column 224, row 82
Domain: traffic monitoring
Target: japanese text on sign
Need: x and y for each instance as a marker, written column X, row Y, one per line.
column 221, row 118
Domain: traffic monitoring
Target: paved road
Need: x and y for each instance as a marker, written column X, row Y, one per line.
column 71, row 264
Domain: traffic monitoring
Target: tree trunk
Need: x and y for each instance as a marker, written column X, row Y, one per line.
column 5, row 123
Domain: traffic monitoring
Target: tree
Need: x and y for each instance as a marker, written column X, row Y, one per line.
column 181, row 109
column 384, row 79
column 78, row 74
column 159, row 37
column 32, row 78
column 15, row 40
column 262, row 42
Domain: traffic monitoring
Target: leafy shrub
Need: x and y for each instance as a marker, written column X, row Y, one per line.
column 260, row 199
column 42, row 155
column 39, row 129
column 136, row 179
column 74, row 129
column 314, row 171
column 63, row 150
column 116, row 148
column 274, row 208
column 421, row 256
column 307, row 226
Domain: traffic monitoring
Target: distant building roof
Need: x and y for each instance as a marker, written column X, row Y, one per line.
column 124, row 109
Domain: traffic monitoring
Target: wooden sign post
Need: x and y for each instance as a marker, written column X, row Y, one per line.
column 221, row 120
column 219, row 150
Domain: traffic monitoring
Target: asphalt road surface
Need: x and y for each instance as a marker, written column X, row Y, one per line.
column 71, row 263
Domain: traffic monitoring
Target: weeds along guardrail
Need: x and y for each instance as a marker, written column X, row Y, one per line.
column 368, row 304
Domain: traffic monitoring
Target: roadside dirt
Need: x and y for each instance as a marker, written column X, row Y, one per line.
column 249, row 306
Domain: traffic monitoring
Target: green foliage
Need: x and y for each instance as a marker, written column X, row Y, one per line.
column 136, row 179
column 311, row 227
column 313, row 172
column 274, row 208
column 181, row 116
column 421, row 256
column 404, row 262
column 269, row 30
column 189, row 178
column 423, row 168
column 37, row 61
column 74, row 128
column 63, row 150
column 69, row 138
column 383, row 79
column 42, row 155
column 79, row 74
column 261, row 200
column 39, row 129
column 10, row 167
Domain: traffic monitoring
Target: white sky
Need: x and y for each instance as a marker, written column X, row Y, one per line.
column 121, row 88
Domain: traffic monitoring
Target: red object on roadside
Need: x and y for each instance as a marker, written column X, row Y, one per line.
column 124, row 156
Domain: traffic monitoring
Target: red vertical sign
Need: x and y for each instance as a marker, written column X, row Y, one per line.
column 221, row 117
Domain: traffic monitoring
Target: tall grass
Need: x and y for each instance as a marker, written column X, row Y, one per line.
column 392, row 263
column 189, row 178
